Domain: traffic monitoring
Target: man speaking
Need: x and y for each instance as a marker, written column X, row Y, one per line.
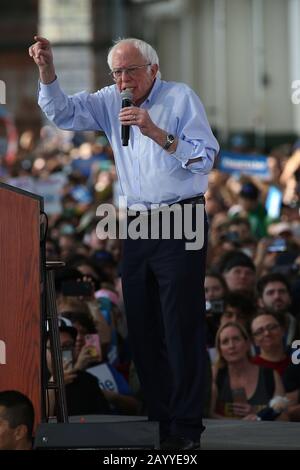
column 170, row 152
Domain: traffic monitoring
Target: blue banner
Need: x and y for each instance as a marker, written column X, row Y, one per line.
column 243, row 164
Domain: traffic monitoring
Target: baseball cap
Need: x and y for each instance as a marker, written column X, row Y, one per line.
column 249, row 191
column 236, row 258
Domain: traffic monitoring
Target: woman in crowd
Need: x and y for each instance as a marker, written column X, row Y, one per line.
column 268, row 334
column 240, row 389
column 90, row 357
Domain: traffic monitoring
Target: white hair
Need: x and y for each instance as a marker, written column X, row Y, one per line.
column 147, row 51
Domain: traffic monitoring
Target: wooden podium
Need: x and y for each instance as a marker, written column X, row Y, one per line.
column 20, row 294
column 27, row 299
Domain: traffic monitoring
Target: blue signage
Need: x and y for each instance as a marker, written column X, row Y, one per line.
column 243, row 164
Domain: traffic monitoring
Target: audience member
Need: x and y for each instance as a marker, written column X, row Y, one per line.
column 16, row 421
column 240, row 389
column 273, row 292
column 238, row 271
column 83, row 394
column 268, row 333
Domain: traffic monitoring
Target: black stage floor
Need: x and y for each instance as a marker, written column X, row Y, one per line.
column 261, row 435
column 136, row 431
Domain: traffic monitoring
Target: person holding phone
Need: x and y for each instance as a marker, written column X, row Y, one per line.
column 240, row 388
column 83, row 395
column 89, row 357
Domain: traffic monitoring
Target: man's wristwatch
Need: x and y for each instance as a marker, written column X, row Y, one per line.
column 169, row 141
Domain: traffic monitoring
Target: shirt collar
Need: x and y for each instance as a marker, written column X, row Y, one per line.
column 152, row 94
column 154, row 91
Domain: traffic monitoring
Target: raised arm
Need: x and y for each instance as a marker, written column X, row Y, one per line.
column 41, row 52
column 80, row 112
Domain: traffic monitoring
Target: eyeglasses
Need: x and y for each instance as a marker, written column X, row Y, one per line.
column 263, row 329
column 130, row 71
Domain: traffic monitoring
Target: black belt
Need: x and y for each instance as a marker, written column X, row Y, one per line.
column 192, row 200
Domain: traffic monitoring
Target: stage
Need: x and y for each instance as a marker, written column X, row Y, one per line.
column 106, row 431
column 229, row 434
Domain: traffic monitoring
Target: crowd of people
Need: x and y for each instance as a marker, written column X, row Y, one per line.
column 252, row 280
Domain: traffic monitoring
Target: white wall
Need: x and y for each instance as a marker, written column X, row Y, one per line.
column 278, row 94
column 232, row 90
column 69, row 22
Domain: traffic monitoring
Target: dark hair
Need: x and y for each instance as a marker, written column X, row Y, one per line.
column 66, row 274
column 55, row 244
column 79, row 260
column 273, row 277
column 18, row 410
column 279, row 318
column 239, row 221
column 243, row 302
column 84, row 319
column 217, row 275
column 234, row 258
column 249, row 191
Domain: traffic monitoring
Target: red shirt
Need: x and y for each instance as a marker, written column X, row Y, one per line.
column 279, row 366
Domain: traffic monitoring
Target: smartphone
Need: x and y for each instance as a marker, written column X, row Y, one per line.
column 93, row 341
column 277, row 246
column 67, row 357
column 273, row 202
column 77, row 288
column 239, row 395
column 233, row 237
column 215, row 306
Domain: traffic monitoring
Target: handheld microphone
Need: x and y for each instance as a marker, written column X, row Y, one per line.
column 126, row 96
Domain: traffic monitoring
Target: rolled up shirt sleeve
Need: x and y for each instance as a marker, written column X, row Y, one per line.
column 195, row 137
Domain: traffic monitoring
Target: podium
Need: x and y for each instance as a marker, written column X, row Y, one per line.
column 21, row 294
column 27, row 301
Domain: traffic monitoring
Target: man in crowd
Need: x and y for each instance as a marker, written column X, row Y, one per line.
column 16, row 421
column 274, row 296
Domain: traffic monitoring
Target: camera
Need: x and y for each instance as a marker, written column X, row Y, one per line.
column 67, row 357
column 233, row 237
column 239, row 395
column 277, row 246
column 215, row 306
column 287, row 269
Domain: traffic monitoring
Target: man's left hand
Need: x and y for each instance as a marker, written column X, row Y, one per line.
column 133, row 116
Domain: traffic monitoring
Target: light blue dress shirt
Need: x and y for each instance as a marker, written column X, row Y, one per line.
column 147, row 173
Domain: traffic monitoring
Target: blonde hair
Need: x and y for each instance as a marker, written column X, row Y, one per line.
column 220, row 360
